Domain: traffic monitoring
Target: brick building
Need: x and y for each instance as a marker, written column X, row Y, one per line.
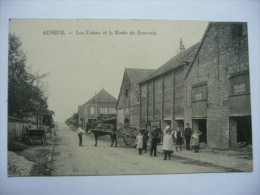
column 162, row 94
column 217, row 86
column 102, row 104
column 128, row 106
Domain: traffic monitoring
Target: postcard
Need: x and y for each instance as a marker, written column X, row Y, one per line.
column 96, row 97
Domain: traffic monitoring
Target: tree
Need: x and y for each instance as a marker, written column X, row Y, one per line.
column 24, row 99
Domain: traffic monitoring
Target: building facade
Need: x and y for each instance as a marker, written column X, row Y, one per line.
column 162, row 94
column 102, row 105
column 217, row 86
column 128, row 106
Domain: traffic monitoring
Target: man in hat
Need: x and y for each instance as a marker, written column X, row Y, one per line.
column 187, row 133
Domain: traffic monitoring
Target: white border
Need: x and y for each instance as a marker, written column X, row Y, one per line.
column 211, row 183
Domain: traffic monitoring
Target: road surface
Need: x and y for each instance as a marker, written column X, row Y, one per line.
column 70, row 159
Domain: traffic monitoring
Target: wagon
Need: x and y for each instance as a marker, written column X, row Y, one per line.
column 36, row 134
column 126, row 135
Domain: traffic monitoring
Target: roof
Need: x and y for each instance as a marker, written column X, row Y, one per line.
column 199, row 46
column 102, row 96
column 176, row 61
column 136, row 75
column 13, row 119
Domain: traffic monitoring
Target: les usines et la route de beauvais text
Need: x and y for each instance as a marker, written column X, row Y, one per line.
column 92, row 32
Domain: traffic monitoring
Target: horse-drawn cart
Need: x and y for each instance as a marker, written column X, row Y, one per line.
column 125, row 134
column 36, row 134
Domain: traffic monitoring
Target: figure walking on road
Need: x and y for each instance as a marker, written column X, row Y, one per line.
column 167, row 144
column 196, row 137
column 187, row 133
column 178, row 137
column 80, row 132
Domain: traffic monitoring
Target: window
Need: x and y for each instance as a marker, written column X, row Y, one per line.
column 238, row 88
column 198, row 96
column 126, row 93
column 92, row 111
column 239, row 83
column 237, row 30
column 113, row 111
column 104, row 110
column 199, row 92
column 101, row 110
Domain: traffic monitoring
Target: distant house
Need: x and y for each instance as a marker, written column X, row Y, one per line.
column 102, row 105
column 128, row 106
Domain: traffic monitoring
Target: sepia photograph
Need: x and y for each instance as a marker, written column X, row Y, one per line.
column 102, row 97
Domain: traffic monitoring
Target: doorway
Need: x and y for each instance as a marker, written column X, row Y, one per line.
column 126, row 121
column 200, row 124
column 244, row 129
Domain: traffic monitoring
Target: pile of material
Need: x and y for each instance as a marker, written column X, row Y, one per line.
column 18, row 165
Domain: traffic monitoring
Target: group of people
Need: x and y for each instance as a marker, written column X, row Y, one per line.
column 143, row 137
column 169, row 137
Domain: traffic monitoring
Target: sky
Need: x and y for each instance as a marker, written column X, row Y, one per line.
column 93, row 53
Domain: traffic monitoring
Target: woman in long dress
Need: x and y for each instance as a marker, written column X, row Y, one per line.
column 167, row 144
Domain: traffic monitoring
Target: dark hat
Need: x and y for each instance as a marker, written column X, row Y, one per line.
column 187, row 123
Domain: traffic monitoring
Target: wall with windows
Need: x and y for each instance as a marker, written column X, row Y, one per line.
column 208, row 91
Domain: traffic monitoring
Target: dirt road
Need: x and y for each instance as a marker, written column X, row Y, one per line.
column 70, row 159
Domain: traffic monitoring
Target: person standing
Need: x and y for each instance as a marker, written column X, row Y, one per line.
column 80, row 133
column 145, row 139
column 187, row 133
column 158, row 129
column 154, row 140
column 196, row 137
column 139, row 142
column 113, row 135
column 167, row 126
column 167, row 144
column 178, row 137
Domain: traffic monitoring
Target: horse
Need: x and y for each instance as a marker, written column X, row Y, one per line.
column 97, row 133
column 101, row 129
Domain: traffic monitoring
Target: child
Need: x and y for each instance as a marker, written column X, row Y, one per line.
column 196, row 139
column 178, row 137
column 167, row 144
column 139, row 142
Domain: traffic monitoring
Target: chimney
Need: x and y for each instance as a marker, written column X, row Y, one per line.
column 182, row 48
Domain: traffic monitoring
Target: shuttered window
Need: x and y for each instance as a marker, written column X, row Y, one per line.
column 238, row 88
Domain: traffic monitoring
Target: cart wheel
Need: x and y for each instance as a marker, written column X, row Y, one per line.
column 120, row 140
column 130, row 142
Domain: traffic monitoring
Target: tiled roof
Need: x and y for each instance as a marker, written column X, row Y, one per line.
column 136, row 75
column 176, row 61
column 102, row 96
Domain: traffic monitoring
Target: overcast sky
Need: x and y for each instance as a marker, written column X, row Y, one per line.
column 80, row 65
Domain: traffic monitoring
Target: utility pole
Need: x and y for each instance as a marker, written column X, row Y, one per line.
column 39, row 117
